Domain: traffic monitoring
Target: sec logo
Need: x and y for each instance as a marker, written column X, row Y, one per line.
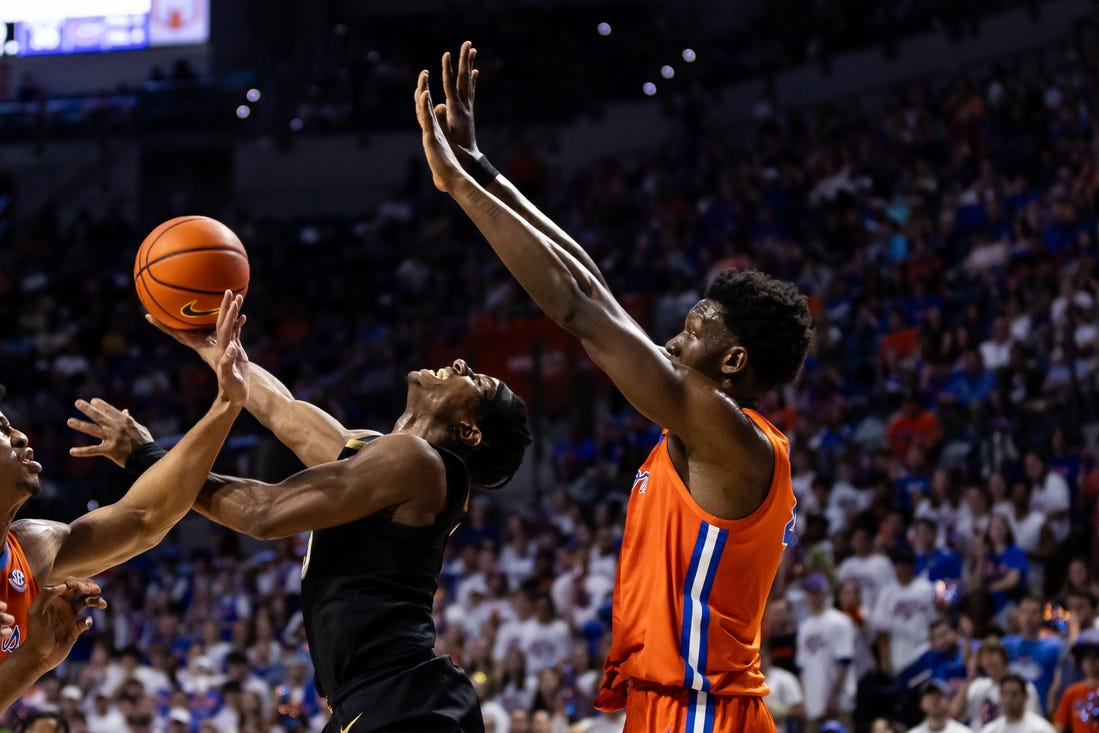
column 17, row 580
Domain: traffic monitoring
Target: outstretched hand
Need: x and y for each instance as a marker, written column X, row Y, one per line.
column 52, row 622
column 231, row 362
column 118, row 432
column 445, row 169
column 455, row 117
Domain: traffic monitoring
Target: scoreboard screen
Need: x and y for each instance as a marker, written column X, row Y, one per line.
column 37, row 28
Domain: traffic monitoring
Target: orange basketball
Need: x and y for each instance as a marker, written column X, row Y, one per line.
column 184, row 267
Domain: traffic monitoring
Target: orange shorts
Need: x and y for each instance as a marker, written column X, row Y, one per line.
column 662, row 710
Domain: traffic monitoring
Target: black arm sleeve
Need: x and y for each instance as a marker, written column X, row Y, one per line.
column 143, row 457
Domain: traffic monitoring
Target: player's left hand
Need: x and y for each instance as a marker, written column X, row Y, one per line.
column 231, row 364
column 117, row 431
column 53, row 623
column 445, row 169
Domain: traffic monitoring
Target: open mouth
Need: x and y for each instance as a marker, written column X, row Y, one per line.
column 28, row 460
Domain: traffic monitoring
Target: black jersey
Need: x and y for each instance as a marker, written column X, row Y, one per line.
column 368, row 588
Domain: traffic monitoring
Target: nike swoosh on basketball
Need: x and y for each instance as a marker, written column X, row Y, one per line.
column 189, row 310
column 348, row 727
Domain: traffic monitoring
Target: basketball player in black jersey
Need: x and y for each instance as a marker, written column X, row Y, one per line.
column 380, row 519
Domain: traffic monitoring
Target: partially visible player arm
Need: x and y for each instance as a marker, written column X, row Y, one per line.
column 161, row 497
column 313, row 435
column 52, row 629
column 687, row 403
column 387, row 472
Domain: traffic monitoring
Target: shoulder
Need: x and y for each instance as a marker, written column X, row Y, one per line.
column 411, row 450
column 40, row 540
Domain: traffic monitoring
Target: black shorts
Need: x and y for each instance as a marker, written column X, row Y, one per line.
column 432, row 697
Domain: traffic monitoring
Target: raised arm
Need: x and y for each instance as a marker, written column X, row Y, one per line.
column 391, row 471
column 158, row 499
column 312, row 434
column 456, row 121
column 683, row 400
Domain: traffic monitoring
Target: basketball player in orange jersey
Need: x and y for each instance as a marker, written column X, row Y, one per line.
column 36, row 553
column 712, row 507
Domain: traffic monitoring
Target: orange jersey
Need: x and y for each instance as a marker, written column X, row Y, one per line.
column 691, row 587
column 18, row 589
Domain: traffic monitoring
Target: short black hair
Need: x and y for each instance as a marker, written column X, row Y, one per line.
column 505, row 435
column 770, row 318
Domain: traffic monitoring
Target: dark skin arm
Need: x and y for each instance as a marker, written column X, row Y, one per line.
column 713, row 438
column 398, row 470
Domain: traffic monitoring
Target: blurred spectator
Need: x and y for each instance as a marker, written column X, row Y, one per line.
column 978, row 702
column 825, row 652
column 935, row 705
column 785, row 700
column 1033, row 655
column 903, row 614
column 1016, row 716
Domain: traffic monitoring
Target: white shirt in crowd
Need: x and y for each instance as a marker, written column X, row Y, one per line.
column 582, row 607
column 785, row 693
column 823, row 640
column 1031, row 723
column 545, row 644
column 983, row 701
column 844, row 501
column 111, row 722
column 873, row 573
column 946, row 517
column 952, row 726
column 904, row 613
column 498, row 714
column 510, row 635
column 1051, row 495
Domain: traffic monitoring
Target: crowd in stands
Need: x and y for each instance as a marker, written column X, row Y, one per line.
column 944, row 462
column 322, row 72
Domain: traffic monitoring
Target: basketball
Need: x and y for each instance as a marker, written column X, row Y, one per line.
column 184, row 267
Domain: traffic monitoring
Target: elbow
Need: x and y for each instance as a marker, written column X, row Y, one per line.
column 261, row 526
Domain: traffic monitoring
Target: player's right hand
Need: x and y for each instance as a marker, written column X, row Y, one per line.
column 118, row 432
column 52, row 621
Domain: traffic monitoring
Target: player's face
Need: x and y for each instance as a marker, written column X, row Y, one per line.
column 704, row 340
column 452, row 393
column 18, row 469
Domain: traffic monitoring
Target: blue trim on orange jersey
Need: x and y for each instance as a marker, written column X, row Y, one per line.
column 704, row 599
column 688, row 607
column 4, row 557
column 692, row 716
